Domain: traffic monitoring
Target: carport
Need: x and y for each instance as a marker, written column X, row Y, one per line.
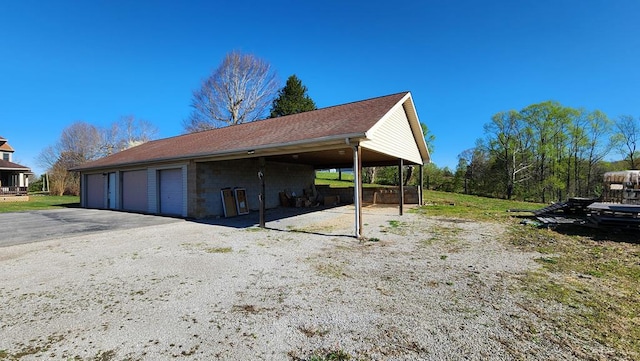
column 383, row 131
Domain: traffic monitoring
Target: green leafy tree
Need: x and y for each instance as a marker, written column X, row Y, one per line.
column 627, row 138
column 549, row 123
column 509, row 142
column 600, row 141
column 546, row 151
column 429, row 138
column 292, row 99
column 479, row 178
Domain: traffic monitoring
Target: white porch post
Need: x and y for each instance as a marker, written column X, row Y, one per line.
column 401, row 186
column 263, row 210
column 357, row 190
column 420, row 200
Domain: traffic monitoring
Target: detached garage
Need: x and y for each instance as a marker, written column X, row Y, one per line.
column 184, row 175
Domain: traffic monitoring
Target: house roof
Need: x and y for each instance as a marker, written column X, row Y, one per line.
column 332, row 125
column 6, row 165
column 4, row 146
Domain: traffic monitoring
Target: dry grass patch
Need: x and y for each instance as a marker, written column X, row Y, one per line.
column 588, row 286
column 202, row 246
column 443, row 235
column 330, row 269
column 592, row 285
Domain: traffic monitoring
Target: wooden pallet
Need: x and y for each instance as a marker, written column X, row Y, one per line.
column 551, row 208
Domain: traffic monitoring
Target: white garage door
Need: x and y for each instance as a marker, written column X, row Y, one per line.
column 134, row 191
column 95, row 190
column 171, row 191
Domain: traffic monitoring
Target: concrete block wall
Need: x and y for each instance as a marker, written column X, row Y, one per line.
column 280, row 177
column 346, row 194
column 193, row 201
column 211, row 177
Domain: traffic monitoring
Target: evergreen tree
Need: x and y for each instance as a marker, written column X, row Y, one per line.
column 292, row 99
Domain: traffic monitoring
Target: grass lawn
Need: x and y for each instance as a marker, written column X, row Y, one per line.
column 40, row 202
column 589, row 282
column 471, row 207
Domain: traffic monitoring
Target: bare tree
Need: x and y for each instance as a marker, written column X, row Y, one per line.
column 78, row 143
column 82, row 139
column 240, row 90
column 136, row 131
column 126, row 133
column 628, row 139
column 82, row 142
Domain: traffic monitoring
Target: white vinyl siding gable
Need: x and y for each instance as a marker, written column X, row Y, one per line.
column 392, row 135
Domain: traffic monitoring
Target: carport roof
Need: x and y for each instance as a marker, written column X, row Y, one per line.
column 293, row 133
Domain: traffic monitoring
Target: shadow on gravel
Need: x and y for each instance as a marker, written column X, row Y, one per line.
column 253, row 218
column 310, row 232
column 624, row 235
column 272, row 216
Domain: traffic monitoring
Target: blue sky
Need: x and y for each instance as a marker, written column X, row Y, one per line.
column 463, row 60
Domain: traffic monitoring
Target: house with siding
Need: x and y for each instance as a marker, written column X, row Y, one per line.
column 184, row 175
column 14, row 178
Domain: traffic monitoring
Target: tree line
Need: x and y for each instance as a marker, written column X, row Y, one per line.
column 548, row 152
column 82, row 142
column 543, row 152
column 240, row 90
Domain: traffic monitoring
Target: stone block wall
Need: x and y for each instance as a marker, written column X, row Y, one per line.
column 389, row 195
column 381, row 195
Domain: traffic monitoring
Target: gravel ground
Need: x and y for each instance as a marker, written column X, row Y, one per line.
column 420, row 288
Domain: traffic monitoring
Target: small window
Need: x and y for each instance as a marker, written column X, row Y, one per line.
column 5, row 156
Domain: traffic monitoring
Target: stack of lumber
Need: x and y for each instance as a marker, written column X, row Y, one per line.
column 614, row 215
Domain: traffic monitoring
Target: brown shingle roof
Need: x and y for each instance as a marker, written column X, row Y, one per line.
column 6, row 165
column 4, row 146
column 347, row 119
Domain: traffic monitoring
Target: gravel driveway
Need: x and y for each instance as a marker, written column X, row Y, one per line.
column 419, row 289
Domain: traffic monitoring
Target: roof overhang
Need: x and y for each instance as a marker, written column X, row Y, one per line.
column 334, row 152
column 379, row 145
column 22, row 170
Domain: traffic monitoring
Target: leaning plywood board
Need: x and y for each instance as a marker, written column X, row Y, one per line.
column 228, row 202
column 241, row 200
